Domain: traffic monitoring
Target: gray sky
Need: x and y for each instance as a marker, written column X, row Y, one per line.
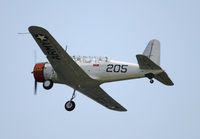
column 119, row 29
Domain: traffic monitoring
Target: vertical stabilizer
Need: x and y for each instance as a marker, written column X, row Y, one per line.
column 152, row 51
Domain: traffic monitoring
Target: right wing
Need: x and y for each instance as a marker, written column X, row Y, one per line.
column 66, row 68
column 100, row 96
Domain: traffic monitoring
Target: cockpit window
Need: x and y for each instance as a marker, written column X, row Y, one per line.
column 90, row 59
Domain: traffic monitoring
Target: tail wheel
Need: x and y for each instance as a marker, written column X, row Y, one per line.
column 48, row 84
column 70, row 105
column 150, row 76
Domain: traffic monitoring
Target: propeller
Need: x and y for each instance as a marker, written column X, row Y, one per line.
column 35, row 83
column 35, row 88
column 35, row 56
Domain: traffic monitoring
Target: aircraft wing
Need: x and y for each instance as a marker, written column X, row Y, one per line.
column 65, row 67
column 100, row 96
column 69, row 71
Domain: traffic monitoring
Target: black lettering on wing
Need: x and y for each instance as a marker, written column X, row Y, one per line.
column 50, row 50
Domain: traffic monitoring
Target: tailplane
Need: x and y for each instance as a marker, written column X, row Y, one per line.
column 150, row 60
column 164, row 78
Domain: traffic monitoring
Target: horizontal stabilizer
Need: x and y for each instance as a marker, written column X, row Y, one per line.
column 146, row 63
column 163, row 78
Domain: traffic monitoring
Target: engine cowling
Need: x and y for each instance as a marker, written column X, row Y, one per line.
column 38, row 72
column 44, row 71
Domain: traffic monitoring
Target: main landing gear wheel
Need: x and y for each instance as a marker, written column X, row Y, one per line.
column 48, row 84
column 151, row 81
column 70, row 105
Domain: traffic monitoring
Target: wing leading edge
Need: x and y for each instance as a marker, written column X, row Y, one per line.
column 69, row 71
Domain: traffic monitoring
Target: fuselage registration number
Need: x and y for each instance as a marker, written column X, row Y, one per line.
column 116, row 68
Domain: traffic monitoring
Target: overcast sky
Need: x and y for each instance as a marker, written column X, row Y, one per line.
column 119, row 29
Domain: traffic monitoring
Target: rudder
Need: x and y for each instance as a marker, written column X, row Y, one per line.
column 152, row 51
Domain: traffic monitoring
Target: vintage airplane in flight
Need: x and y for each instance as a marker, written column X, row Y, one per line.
column 86, row 74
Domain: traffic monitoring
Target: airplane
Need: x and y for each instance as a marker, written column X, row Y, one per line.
column 86, row 74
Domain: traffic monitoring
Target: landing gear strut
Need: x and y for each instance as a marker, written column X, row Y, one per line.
column 70, row 105
column 150, row 76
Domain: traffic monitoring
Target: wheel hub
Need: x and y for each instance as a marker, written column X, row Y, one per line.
column 47, row 83
column 69, row 105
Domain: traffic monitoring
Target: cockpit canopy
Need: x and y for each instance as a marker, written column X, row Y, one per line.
column 90, row 59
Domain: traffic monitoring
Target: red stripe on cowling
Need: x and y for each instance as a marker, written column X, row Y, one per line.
column 38, row 72
column 95, row 65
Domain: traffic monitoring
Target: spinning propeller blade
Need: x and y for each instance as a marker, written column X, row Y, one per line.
column 35, row 83
column 35, row 88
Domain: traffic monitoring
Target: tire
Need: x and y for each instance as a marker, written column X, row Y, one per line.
column 70, row 105
column 48, row 84
column 151, row 81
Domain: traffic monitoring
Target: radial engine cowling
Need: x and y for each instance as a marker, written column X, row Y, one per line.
column 38, row 72
column 44, row 71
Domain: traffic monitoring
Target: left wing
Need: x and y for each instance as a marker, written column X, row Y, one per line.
column 100, row 96
column 69, row 71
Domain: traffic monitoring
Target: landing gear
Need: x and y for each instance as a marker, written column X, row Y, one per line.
column 48, row 84
column 150, row 76
column 151, row 81
column 70, row 105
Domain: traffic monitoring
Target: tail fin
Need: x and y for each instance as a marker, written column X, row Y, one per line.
column 152, row 51
column 150, row 60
